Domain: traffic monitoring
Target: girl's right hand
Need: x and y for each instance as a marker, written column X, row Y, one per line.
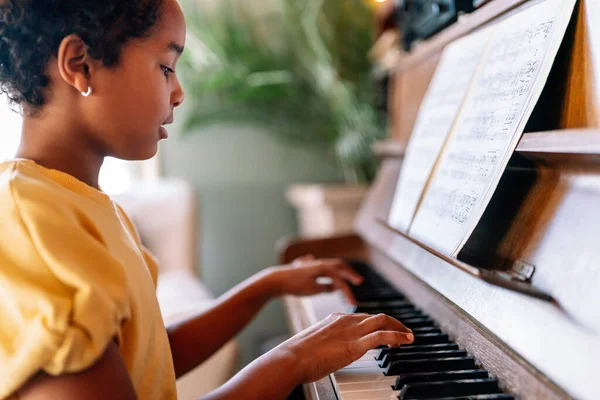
column 341, row 339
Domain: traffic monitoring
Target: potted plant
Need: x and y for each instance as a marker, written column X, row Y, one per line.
column 301, row 71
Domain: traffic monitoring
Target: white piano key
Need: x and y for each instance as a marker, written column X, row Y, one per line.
column 365, row 364
column 358, row 375
column 369, row 355
column 369, row 385
column 381, row 394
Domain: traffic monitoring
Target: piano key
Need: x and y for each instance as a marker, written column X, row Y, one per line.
column 344, row 376
column 403, row 315
column 378, row 394
column 498, row 396
column 365, row 368
column 426, row 329
column 413, row 349
column 386, row 383
column 388, row 359
column 385, row 305
column 378, row 296
column 430, row 338
column 449, row 388
column 439, row 364
column 403, row 379
column 417, row 322
column 369, row 355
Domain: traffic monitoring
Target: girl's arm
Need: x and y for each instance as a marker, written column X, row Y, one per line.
column 196, row 338
column 106, row 379
column 311, row 355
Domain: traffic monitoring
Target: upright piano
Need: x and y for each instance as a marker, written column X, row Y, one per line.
column 522, row 323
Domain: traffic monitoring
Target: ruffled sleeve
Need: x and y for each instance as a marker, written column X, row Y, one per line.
column 63, row 297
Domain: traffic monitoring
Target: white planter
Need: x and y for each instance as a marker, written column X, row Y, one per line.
column 325, row 210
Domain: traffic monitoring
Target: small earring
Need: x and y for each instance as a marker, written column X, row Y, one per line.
column 89, row 91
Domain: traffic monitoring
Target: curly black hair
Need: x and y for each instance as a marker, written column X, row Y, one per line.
column 31, row 32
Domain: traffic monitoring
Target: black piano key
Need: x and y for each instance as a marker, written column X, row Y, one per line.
column 420, row 377
column 388, row 359
column 401, row 316
column 417, row 322
column 413, row 349
column 434, row 365
column 426, row 329
column 496, row 396
column 360, row 297
column 430, row 338
column 385, row 305
column 435, row 390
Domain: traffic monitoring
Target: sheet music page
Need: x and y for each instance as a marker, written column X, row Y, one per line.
column 490, row 123
column 438, row 110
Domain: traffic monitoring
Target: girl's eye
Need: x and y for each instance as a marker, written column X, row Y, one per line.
column 166, row 70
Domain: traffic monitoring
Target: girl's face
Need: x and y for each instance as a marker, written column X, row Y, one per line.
column 130, row 102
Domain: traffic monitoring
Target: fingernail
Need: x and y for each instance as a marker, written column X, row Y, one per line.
column 410, row 336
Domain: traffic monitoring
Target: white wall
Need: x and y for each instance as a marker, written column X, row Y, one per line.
column 10, row 130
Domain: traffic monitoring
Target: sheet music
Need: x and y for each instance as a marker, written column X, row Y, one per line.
column 491, row 121
column 438, row 110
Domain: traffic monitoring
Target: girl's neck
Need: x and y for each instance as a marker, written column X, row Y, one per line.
column 57, row 148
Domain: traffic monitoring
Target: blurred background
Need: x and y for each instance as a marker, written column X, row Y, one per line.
column 284, row 100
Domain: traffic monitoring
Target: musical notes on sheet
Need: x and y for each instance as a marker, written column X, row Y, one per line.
column 501, row 98
column 439, row 108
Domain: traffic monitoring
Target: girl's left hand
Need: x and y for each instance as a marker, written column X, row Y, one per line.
column 308, row 276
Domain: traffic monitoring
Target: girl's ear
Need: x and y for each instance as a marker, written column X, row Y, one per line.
column 74, row 64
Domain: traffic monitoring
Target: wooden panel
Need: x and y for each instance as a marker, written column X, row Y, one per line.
column 591, row 9
column 563, row 141
column 409, row 91
column 389, row 148
column 567, row 141
column 580, row 108
column 378, row 202
column 568, row 148
column 338, row 246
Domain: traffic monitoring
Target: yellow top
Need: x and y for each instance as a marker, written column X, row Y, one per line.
column 73, row 277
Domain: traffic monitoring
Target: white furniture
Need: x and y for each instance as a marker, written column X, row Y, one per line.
column 325, row 210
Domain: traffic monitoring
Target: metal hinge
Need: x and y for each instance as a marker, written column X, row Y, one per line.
column 518, row 271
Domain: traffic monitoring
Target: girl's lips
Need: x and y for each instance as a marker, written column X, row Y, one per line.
column 163, row 133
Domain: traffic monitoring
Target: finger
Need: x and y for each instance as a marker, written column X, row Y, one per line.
column 380, row 322
column 302, row 259
column 350, row 274
column 348, row 321
column 390, row 338
column 323, row 285
column 343, row 319
column 340, row 269
column 341, row 284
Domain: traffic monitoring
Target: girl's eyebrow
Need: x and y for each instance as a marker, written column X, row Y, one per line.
column 176, row 48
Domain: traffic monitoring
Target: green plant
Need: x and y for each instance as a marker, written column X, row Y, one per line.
column 300, row 70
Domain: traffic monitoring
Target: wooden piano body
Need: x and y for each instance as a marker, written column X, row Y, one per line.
column 538, row 349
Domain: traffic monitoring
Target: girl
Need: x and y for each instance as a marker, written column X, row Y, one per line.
column 77, row 304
